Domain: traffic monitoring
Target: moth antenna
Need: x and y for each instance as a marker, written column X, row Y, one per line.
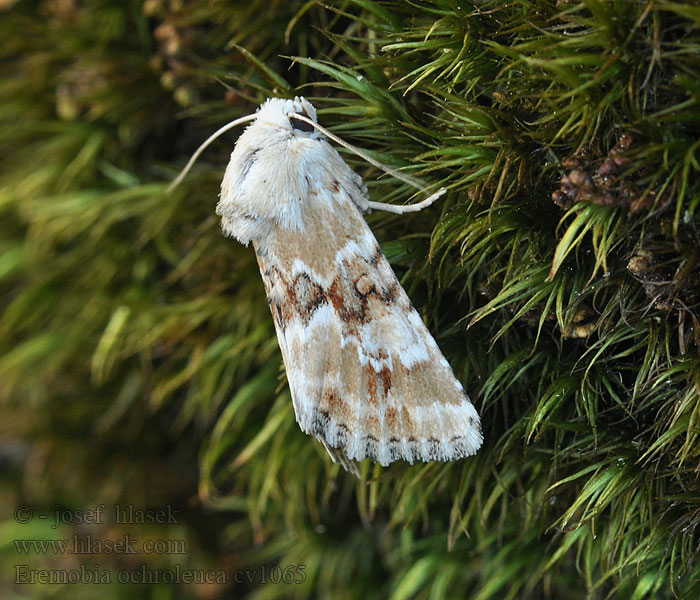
column 178, row 180
column 393, row 208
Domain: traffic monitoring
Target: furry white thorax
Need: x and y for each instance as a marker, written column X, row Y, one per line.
column 272, row 169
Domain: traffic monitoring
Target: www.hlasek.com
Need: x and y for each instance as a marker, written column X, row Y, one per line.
column 88, row 544
column 293, row 574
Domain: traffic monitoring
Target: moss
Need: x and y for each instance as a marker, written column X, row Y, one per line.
column 560, row 277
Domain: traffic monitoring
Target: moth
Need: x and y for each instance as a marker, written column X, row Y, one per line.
column 366, row 377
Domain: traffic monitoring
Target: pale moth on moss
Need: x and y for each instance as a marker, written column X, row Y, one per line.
column 366, row 377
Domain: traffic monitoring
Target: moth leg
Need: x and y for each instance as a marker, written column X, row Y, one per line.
column 406, row 208
column 338, row 456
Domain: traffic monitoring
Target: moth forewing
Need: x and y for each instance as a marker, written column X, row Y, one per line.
column 366, row 377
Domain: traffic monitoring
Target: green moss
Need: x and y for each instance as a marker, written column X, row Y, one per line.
column 560, row 277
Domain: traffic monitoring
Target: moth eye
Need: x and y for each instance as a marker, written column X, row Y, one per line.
column 300, row 125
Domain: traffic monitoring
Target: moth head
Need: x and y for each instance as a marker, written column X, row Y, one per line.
column 281, row 114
